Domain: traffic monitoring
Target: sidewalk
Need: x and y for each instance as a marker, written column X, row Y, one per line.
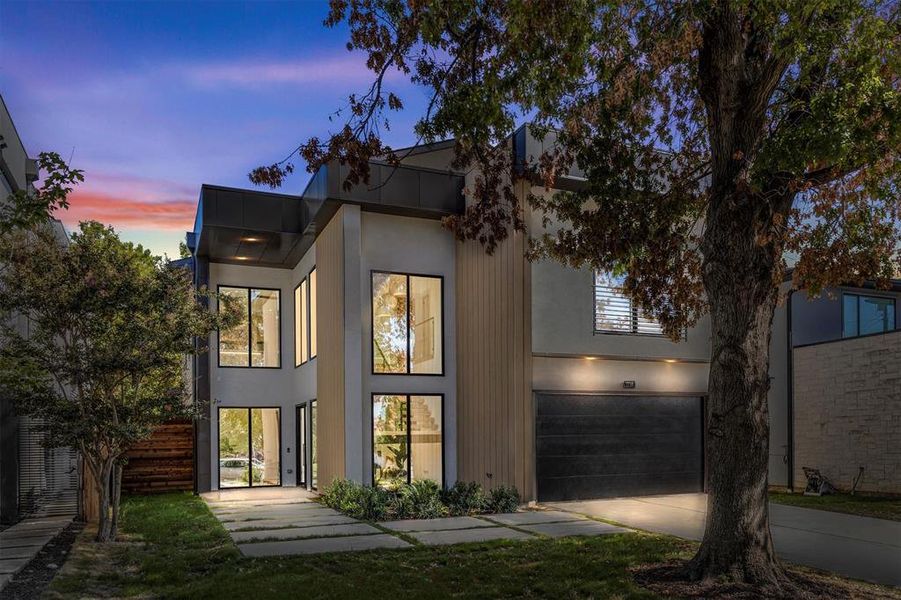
column 21, row 543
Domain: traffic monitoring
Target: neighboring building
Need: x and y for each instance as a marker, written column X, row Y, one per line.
column 33, row 479
column 835, row 396
column 378, row 348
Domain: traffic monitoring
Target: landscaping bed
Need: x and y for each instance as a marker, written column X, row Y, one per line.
column 417, row 500
column 862, row 505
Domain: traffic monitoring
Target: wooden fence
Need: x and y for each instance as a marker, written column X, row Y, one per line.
column 164, row 462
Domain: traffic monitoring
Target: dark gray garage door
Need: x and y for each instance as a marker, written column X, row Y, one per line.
column 605, row 446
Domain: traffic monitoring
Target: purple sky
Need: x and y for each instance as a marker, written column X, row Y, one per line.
column 153, row 99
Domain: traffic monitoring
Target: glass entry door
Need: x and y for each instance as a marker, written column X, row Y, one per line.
column 314, row 459
column 302, row 445
column 249, row 447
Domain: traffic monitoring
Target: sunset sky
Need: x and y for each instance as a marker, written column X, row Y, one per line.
column 153, row 99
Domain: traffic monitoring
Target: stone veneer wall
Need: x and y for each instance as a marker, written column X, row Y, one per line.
column 847, row 411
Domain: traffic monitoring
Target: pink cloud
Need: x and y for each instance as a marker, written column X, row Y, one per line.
column 128, row 202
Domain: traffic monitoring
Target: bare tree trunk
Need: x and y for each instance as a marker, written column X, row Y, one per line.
column 103, row 491
column 116, row 496
column 739, row 270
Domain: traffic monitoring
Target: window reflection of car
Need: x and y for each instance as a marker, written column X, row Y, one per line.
column 236, row 468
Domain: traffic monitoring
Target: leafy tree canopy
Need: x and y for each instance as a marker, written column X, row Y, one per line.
column 806, row 124
column 102, row 360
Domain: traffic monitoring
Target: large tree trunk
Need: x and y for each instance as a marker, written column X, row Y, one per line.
column 740, row 268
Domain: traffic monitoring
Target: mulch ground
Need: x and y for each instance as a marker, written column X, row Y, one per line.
column 668, row 580
column 31, row 581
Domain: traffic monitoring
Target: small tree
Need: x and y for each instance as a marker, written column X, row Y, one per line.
column 715, row 136
column 110, row 327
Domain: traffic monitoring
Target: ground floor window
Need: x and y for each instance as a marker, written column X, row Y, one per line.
column 314, row 462
column 249, row 447
column 301, row 448
column 407, row 440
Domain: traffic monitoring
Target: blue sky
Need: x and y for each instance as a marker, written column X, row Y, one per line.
column 153, row 99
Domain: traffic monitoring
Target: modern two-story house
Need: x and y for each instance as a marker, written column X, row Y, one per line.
column 378, row 348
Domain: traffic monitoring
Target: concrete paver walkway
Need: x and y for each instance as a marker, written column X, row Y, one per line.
column 279, row 523
column 22, row 542
column 858, row 547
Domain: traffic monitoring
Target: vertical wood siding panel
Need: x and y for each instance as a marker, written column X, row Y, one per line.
column 330, row 358
column 494, row 403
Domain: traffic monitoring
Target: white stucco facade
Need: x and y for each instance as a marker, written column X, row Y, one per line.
column 284, row 387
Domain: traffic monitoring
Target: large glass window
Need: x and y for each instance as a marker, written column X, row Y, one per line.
column 407, row 441
column 249, row 447
column 313, row 328
column 301, row 335
column 264, row 332
column 305, row 320
column 254, row 341
column 389, row 431
column 407, row 327
column 234, row 343
column 614, row 311
column 863, row 315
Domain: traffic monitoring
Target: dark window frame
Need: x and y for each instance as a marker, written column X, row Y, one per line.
column 310, row 315
column 302, row 445
column 249, row 365
column 304, row 323
column 307, row 317
column 281, row 474
column 407, row 396
column 858, row 296
column 409, row 366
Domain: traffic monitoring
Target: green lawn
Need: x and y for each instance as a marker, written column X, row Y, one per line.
column 175, row 548
column 864, row 506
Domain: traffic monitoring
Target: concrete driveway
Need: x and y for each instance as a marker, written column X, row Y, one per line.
column 858, row 547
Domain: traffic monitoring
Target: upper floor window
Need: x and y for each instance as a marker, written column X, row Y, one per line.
column 862, row 315
column 255, row 340
column 615, row 312
column 305, row 320
column 407, row 324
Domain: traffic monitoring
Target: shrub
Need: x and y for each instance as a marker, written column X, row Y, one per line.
column 337, row 493
column 357, row 501
column 465, row 498
column 419, row 500
column 503, row 499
